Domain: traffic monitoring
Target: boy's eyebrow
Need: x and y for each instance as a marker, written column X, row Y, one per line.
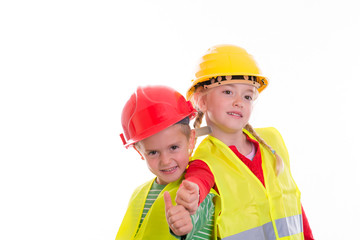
column 150, row 149
column 156, row 149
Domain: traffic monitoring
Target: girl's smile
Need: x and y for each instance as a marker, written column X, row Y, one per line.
column 228, row 107
column 235, row 114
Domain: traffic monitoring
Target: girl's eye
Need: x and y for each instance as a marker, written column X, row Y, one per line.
column 227, row 91
column 247, row 97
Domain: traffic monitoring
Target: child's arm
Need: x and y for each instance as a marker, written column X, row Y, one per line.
column 198, row 172
column 307, row 230
column 199, row 181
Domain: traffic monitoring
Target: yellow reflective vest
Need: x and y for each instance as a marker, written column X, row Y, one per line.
column 154, row 225
column 248, row 209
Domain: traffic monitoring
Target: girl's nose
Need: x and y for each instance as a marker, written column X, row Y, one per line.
column 238, row 102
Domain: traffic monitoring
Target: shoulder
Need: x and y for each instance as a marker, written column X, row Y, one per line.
column 146, row 184
column 197, row 165
column 273, row 137
column 267, row 130
column 270, row 134
column 143, row 187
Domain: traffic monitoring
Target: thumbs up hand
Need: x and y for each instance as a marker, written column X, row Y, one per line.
column 177, row 217
column 188, row 196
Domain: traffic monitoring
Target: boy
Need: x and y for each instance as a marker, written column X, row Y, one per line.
column 155, row 121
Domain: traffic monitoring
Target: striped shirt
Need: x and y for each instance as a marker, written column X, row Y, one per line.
column 150, row 199
column 202, row 220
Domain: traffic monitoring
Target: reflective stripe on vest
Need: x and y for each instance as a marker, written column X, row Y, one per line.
column 286, row 227
column 289, row 226
column 248, row 209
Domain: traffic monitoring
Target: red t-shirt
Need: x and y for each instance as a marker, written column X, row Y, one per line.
column 198, row 172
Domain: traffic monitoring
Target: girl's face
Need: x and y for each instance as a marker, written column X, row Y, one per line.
column 228, row 107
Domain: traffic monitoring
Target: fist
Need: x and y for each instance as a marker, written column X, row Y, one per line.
column 177, row 216
column 188, row 196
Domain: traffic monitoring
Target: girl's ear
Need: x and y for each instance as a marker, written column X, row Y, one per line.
column 200, row 101
column 136, row 148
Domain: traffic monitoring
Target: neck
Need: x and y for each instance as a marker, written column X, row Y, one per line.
column 235, row 138
column 228, row 137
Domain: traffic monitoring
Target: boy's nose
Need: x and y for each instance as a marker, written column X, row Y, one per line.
column 165, row 159
column 237, row 102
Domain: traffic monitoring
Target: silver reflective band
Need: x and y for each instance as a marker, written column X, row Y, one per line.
column 264, row 232
column 286, row 227
column 289, row 226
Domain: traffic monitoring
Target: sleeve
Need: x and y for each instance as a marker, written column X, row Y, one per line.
column 203, row 219
column 198, row 172
column 307, row 230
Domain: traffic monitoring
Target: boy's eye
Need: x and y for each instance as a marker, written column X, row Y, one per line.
column 174, row 147
column 150, row 153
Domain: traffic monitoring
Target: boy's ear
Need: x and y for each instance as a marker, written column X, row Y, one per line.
column 192, row 139
column 142, row 157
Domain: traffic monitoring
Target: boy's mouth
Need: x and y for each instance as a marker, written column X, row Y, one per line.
column 169, row 170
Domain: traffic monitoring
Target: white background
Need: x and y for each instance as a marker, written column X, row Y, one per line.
column 67, row 68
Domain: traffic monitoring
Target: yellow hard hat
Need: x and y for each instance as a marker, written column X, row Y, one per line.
column 226, row 64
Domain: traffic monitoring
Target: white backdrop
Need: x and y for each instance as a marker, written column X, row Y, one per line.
column 67, row 68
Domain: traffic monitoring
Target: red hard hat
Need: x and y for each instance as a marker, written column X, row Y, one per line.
column 152, row 109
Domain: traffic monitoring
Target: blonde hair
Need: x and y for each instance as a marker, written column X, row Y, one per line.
column 279, row 161
column 200, row 93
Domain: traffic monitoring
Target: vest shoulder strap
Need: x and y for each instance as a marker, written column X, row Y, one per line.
column 133, row 213
column 273, row 138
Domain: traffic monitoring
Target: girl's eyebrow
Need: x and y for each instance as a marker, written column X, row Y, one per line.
column 252, row 90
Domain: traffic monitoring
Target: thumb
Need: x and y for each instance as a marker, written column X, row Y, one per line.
column 192, row 187
column 168, row 202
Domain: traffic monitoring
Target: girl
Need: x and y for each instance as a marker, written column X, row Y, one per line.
column 259, row 198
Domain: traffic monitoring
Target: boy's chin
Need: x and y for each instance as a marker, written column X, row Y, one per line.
column 168, row 179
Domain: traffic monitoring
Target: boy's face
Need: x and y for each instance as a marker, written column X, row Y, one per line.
column 167, row 153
